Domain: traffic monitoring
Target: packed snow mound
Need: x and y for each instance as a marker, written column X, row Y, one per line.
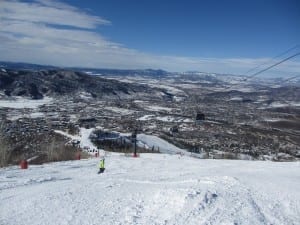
column 152, row 189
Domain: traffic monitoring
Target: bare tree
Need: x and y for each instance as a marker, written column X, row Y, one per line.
column 4, row 148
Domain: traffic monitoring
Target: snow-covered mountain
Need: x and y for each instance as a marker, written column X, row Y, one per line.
column 152, row 189
column 40, row 83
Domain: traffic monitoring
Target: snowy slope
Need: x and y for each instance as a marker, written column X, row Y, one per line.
column 150, row 141
column 83, row 137
column 152, row 189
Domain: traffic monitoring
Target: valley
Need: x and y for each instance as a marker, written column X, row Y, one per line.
column 207, row 115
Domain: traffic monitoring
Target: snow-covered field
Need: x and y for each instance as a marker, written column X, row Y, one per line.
column 152, row 189
column 156, row 108
column 165, row 118
column 279, row 105
column 20, row 103
column 120, row 111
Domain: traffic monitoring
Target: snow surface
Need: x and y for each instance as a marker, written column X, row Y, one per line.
column 152, row 189
column 236, row 99
column 121, row 111
column 83, row 137
column 279, row 105
column 274, row 119
column 165, row 118
column 158, row 143
column 242, row 89
column 15, row 115
column 178, row 99
column 144, row 140
column 170, row 89
column 157, row 108
column 20, row 103
column 146, row 117
column 173, row 119
column 36, row 115
column 85, row 95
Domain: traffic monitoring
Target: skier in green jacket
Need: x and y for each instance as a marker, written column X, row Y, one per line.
column 101, row 165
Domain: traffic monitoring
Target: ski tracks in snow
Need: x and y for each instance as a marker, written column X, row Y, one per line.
column 154, row 189
column 211, row 200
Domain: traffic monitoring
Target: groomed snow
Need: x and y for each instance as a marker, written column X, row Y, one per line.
column 164, row 147
column 83, row 137
column 152, row 189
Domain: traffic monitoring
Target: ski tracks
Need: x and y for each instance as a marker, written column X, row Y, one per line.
column 212, row 200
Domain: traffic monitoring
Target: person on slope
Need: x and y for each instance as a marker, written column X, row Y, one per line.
column 101, row 165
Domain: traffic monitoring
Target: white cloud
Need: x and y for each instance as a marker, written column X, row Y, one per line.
column 48, row 12
column 52, row 32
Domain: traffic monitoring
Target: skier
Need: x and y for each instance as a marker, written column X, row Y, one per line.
column 101, row 165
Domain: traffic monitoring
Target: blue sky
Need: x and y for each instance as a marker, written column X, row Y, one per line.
column 196, row 28
column 212, row 36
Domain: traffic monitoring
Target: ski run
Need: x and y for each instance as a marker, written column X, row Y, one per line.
column 151, row 189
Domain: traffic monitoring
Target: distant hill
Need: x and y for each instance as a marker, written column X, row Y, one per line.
column 36, row 84
column 110, row 72
column 25, row 66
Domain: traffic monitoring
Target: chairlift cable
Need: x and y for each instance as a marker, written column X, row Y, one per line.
column 269, row 67
column 277, row 56
column 276, row 64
